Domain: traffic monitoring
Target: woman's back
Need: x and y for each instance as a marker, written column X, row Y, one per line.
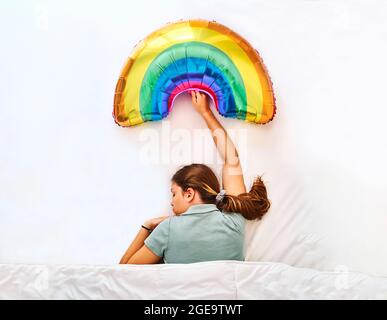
column 202, row 233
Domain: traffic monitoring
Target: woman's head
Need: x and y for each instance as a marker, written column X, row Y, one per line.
column 189, row 186
column 197, row 183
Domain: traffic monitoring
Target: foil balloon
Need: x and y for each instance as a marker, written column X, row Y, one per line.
column 193, row 55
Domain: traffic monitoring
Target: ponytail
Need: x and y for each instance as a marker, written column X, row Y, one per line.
column 252, row 205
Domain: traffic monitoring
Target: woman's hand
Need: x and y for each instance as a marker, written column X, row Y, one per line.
column 200, row 102
column 154, row 222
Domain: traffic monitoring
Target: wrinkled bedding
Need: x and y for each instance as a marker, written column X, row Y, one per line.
column 202, row 280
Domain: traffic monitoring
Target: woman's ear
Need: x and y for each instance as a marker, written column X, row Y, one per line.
column 189, row 194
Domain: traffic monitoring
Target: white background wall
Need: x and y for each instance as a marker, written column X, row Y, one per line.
column 75, row 187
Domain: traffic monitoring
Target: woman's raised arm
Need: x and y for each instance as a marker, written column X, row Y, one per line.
column 232, row 175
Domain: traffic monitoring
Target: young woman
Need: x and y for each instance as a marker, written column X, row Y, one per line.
column 208, row 222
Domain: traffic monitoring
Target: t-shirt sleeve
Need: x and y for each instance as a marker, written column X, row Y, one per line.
column 157, row 241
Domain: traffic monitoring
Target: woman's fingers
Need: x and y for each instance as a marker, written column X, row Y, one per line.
column 197, row 97
column 193, row 95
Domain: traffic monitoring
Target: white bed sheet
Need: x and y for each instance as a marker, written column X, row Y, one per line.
column 69, row 176
column 203, row 280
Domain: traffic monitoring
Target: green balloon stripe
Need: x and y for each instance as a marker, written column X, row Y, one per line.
column 193, row 49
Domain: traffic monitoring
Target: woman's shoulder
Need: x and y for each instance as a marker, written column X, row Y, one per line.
column 235, row 218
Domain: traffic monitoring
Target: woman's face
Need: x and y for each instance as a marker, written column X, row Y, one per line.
column 181, row 201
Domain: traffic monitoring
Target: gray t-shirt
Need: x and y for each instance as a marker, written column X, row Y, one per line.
column 202, row 233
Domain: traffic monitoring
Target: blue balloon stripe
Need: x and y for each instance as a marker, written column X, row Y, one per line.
column 200, row 70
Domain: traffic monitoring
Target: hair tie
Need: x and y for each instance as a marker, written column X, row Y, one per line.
column 220, row 195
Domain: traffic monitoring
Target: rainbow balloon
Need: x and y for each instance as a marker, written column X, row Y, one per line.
column 193, row 54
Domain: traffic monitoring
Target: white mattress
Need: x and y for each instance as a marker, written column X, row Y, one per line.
column 203, row 280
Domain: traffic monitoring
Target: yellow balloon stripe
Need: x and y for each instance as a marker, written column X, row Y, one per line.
column 156, row 42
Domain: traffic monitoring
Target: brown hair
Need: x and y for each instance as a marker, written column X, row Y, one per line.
column 252, row 205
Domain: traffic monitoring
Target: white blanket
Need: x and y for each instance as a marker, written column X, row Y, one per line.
column 203, row 280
